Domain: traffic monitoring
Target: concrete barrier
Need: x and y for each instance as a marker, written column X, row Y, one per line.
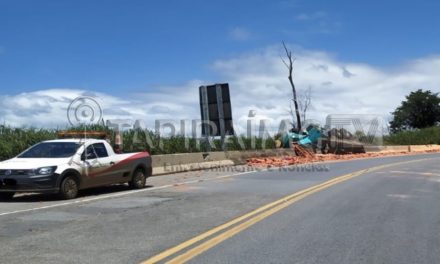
column 171, row 163
column 165, row 164
column 410, row 148
column 424, row 147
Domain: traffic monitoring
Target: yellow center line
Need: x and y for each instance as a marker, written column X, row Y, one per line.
column 252, row 218
column 237, row 229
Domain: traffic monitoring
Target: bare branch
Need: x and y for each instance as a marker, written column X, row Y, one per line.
column 305, row 101
column 285, row 63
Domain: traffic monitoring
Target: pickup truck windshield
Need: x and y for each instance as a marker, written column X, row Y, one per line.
column 51, row 150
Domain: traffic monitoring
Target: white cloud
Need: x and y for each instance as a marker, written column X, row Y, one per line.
column 258, row 81
column 239, row 34
column 48, row 108
column 311, row 16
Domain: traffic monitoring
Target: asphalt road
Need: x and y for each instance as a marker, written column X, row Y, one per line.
column 386, row 212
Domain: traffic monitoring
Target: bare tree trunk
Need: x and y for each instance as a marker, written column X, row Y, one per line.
column 289, row 66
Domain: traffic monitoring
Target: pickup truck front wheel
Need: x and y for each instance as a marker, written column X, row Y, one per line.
column 138, row 180
column 6, row 196
column 69, row 188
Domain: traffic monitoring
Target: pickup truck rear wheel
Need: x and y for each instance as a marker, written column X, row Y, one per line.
column 138, row 180
column 69, row 188
column 6, row 196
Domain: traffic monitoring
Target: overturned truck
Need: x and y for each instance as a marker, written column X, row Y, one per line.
column 341, row 141
column 334, row 141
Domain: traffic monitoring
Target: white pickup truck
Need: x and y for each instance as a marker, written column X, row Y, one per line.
column 65, row 166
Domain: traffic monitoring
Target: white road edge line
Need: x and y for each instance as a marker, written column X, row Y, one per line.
column 119, row 194
column 84, row 200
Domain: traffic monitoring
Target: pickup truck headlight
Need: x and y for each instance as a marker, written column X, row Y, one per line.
column 46, row 170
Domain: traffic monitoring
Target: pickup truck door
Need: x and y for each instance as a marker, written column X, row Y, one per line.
column 99, row 166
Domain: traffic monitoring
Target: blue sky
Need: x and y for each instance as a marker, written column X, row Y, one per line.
column 142, row 45
column 154, row 54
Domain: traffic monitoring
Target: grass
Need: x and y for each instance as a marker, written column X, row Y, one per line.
column 15, row 140
column 423, row 136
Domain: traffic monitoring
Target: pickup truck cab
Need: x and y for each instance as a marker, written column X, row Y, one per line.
column 65, row 166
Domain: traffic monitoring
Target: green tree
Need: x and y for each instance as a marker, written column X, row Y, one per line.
column 420, row 109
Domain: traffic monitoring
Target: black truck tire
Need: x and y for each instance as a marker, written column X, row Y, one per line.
column 138, row 180
column 69, row 188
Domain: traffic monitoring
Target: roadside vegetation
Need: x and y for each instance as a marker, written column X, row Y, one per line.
column 416, row 121
column 424, row 136
column 15, row 140
column 420, row 109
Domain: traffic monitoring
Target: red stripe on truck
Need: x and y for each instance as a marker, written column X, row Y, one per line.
column 122, row 163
